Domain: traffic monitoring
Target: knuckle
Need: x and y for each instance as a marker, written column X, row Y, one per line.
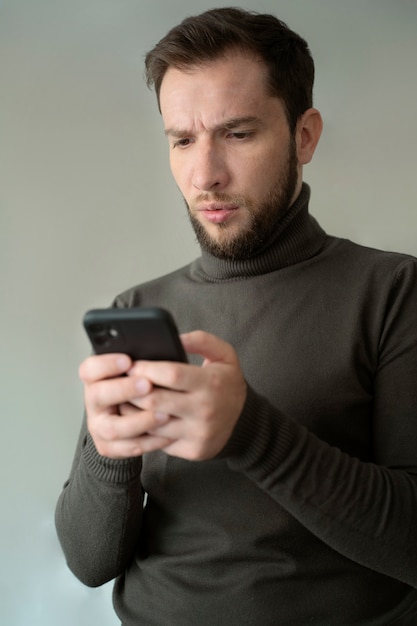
column 103, row 426
column 216, row 381
column 151, row 403
column 109, row 432
column 86, row 369
column 95, row 396
column 207, row 410
column 137, row 450
column 102, row 448
column 173, row 376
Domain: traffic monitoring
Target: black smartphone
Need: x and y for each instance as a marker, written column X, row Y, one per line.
column 148, row 334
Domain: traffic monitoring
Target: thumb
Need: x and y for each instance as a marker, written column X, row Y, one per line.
column 212, row 348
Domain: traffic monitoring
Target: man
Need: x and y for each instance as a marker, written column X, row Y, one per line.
column 280, row 465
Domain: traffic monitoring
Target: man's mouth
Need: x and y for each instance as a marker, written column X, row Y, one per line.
column 217, row 212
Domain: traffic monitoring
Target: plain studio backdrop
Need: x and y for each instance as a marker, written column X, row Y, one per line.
column 88, row 208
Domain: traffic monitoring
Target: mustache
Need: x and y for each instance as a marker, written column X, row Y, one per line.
column 219, row 196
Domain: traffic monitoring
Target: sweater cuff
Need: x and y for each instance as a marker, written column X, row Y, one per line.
column 116, row 471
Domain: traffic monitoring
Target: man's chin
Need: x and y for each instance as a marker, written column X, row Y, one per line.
column 226, row 244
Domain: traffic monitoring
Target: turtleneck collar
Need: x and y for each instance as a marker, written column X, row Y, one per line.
column 298, row 238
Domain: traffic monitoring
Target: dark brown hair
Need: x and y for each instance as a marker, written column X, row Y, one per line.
column 208, row 36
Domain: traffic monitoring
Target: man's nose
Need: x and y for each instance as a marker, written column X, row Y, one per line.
column 209, row 168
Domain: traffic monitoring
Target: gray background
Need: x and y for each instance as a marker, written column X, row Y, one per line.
column 88, row 208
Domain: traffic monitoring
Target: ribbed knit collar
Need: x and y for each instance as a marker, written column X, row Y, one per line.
column 298, row 238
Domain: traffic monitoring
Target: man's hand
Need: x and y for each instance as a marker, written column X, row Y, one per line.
column 118, row 428
column 185, row 410
column 201, row 404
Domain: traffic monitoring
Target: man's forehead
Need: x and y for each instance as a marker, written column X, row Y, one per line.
column 216, row 94
column 229, row 73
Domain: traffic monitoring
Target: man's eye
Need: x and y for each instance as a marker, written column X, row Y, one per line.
column 182, row 143
column 240, row 134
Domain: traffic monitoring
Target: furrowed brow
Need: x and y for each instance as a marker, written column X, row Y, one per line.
column 234, row 122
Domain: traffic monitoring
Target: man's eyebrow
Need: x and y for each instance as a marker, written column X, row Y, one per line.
column 176, row 132
column 230, row 124
column 240, row 121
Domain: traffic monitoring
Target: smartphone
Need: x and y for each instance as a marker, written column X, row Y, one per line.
column 148, row 334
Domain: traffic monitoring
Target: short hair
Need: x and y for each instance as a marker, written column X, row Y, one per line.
column 203, row 38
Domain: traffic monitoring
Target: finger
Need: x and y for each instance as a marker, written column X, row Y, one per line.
column 166, row 402
column 149, row 443
column 165, row 374
column 129, row 424
column 107, row 393
column 98, row 367
column 173, row 429
column 212, row 348
column 130, row 448
column 130, row 408
column 127, row 408
column 180, row 376
column 126, row 435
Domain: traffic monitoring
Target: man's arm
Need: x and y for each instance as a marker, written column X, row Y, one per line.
column 99, row 512
column 365, row 511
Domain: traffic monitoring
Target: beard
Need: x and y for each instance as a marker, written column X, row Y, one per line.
column 264, row 217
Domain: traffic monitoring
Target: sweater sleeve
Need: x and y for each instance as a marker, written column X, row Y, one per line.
column 367, row 511
column 98, row 514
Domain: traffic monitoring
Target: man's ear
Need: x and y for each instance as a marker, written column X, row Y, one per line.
column 307, row 134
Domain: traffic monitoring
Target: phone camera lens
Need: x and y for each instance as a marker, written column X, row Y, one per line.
column 100, row 334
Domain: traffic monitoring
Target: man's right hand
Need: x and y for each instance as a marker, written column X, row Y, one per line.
column 118, row 428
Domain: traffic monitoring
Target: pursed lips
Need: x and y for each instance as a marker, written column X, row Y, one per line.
column 217, row 212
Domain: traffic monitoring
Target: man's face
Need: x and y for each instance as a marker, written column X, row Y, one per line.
column 231, row 152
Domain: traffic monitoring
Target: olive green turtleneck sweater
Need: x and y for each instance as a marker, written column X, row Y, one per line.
column 309, row 514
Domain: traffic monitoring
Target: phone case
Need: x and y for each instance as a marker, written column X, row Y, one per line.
column 143, row 333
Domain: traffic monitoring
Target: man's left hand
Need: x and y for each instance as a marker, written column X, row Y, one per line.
column 203, row 403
